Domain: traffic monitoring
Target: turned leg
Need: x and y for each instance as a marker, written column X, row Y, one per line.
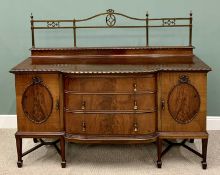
column 62, row 147
column 204, row 153
column 159, row 151
column 19, row 150
column 191, row 140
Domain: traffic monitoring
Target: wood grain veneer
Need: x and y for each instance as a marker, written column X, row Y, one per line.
column 54, row 122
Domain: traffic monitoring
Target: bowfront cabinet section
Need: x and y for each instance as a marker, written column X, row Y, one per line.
column 182, row 101
column 38, row 102
column 110, row 104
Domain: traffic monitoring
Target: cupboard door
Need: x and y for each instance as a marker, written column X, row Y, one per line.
column 38, row 101
column 182, row 101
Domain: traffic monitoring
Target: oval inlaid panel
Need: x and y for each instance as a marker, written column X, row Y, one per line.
column 37, row 103
column 183, row 103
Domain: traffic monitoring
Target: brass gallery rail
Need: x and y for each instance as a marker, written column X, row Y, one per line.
column 110, row 19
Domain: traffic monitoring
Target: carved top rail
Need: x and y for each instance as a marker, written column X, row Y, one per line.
column 111, row 22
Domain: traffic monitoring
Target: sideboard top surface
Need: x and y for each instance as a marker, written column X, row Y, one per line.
column 27, row 66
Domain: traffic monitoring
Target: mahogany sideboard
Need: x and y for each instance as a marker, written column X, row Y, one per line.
column 117, row 95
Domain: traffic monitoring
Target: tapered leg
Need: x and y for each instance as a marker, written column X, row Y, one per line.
column 19, row 150
column 204, row 153
column 159, row 151
column 191, row 140
column 62, row 147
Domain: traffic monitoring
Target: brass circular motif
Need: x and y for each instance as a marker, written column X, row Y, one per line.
column 110, row 20
column 183, row 103
column 37, row 103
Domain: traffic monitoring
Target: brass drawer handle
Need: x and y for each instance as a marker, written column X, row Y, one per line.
column 135, row 127
column 84, row 126
column 57, row 105
column 135, row 87
column 83, row 107
column 163, row 104
column 135, row 105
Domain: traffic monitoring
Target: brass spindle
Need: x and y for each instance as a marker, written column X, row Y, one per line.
column 147, row 29
column 190, row 29
column 32, row 31
column 74, row 32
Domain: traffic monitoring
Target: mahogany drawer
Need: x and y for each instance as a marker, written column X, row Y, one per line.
column 110, row 124
column 110, row 102
column 110, row 83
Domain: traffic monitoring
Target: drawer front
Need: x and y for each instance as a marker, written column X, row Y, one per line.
column 110, row 84
column 110, row 124
column 110, row 102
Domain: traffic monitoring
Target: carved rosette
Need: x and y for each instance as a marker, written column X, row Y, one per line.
column 37, row 101
column 183, row 101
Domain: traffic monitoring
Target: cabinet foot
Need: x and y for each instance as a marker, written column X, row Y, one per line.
column 159, row 152
column 204, row 153
column 19, row 164
column 19, row 151
column 159, row 164
column 204, row 165
column 62, row 153
column 63, row 164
